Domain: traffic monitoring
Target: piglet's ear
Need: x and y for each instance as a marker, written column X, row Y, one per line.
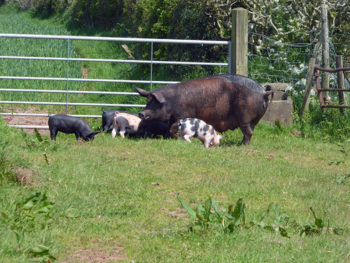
column 159, row 97
column 93, row 134
column 142, row 92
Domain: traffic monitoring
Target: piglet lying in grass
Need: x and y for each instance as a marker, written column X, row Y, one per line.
column 70, row 124
column 192, row 127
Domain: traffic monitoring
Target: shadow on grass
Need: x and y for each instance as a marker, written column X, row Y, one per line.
column 230, row 142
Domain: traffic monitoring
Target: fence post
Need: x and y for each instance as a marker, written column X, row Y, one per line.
column 308, row 86
column 340, row 77
column 239, row 53
column 325, row 49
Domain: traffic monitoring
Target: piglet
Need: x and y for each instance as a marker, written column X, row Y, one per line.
column 107, row 120
column 108, row 117
column 125, row 123
column 70, row 124
column 153, row 128
column 192, row 127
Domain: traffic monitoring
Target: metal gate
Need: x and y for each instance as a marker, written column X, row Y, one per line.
column 67, row 79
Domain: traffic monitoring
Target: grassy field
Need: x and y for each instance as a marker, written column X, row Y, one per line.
column 115, row 199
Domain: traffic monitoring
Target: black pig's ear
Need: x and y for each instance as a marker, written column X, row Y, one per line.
column 143, row 92
column 159, row 97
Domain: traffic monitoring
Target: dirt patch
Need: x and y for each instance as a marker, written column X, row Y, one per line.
column 97, row 253
column 85, row 72
column 23, row 175
column 178, row 213
column 27, row 120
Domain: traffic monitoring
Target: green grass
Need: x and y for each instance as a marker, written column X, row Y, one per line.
column 121, row 193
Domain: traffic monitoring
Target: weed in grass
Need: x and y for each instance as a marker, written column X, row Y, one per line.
column 319, row 226
column 208, row 216
column 27, row 216
column 38, row 143
column 4, row 162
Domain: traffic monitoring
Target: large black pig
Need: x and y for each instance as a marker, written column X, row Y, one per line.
column 224, row 101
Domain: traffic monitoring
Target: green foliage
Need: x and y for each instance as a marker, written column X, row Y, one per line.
column 181, row 19
column 96, row 13
column 44, row 8
column 27, row 216
column 319, row 227
column 330, row 125
column 208, row 216
column 5, row 164
column 9, row 156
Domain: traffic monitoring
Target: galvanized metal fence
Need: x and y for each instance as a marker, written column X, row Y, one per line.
column 68, row 79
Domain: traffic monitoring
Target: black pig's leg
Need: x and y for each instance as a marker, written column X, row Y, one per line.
column 77, row 135
column 53, row 133
column 247, row 133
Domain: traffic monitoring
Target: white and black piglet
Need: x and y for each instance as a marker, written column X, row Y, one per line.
column 192, row 127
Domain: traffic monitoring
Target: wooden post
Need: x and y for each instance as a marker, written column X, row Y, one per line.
column 308, row 86
column 239, row 59
column 340, row 77
column 325, row 48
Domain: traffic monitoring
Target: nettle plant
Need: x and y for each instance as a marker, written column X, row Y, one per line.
column 207, row 217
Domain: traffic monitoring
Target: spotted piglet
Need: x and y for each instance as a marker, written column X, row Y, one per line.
column 191, row 127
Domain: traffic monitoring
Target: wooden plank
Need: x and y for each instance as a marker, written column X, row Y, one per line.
column 308, row 86
column 343, row 90
column 330, row 70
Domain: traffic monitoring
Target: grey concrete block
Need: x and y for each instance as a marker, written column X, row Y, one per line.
column 281, row 108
